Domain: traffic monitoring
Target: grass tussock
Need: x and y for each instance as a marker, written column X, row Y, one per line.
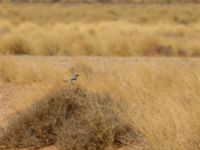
column 72, row 118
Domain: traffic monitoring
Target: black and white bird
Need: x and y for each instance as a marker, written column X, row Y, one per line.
column 73, row 79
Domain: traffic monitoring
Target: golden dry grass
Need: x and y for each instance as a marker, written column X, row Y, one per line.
column 103, row 1
column 67, row 13
column 107, row 38
column 139, row 103
column 161, row 95
column 96, row 29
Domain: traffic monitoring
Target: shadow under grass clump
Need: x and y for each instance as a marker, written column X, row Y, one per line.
column 71, row 118
column 158, row 50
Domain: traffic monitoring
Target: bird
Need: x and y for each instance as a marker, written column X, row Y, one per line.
column 73, row 79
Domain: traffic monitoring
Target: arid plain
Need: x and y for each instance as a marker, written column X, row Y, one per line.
column 139, row 76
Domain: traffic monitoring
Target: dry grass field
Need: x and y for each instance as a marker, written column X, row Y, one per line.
column 133, row 103
column 100, row 29
column 104, row 1
column 148, row 100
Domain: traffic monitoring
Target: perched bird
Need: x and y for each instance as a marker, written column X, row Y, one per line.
column 72, row 79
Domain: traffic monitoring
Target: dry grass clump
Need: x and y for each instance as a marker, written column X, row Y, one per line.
column 73, row 119
column 15, row 45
